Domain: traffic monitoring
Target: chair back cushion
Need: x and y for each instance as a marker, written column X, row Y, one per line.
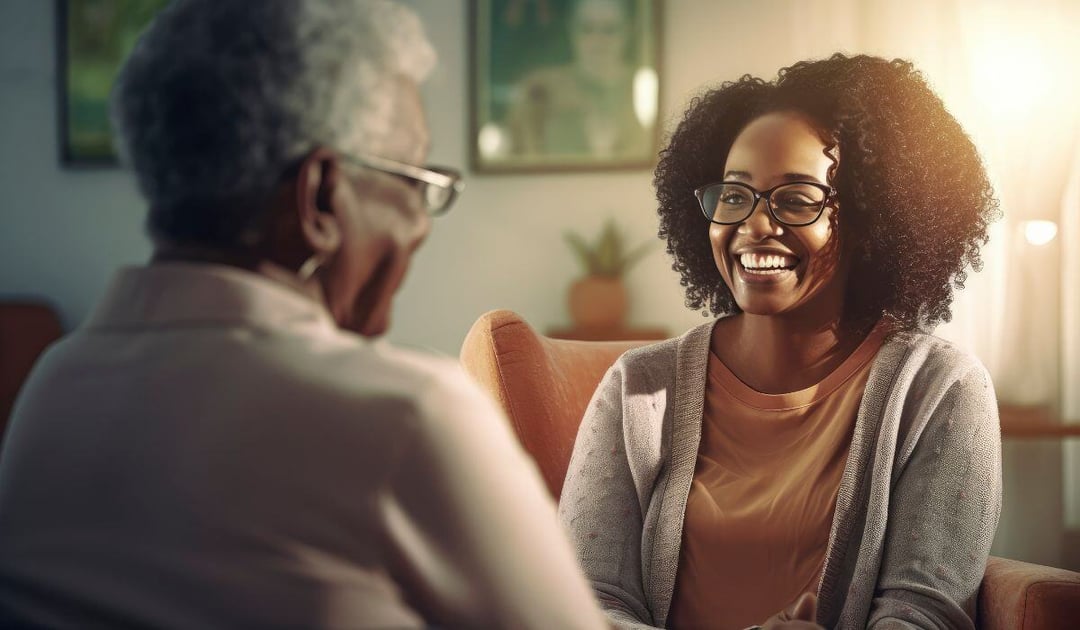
column 543, row 384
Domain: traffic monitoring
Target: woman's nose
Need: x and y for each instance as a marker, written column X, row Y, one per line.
column 761, row 223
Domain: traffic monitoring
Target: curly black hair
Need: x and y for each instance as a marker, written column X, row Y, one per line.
column 914, row 198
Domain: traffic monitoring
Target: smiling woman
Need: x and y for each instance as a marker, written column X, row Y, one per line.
column 813, row 456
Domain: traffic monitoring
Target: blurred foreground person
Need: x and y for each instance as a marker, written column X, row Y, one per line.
column 220, row 445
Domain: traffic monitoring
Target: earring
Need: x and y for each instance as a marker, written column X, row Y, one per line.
column 308, row 269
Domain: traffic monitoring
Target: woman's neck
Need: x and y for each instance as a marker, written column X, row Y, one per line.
column 775, row 354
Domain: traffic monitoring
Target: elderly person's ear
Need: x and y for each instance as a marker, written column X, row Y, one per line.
column 318, row 184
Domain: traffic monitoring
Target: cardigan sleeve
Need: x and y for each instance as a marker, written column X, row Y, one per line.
column 600, row 509
column 943, row 513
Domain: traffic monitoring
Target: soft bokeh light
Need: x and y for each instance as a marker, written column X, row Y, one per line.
column 493, row 141
column 1040, row 232
column 646, row 86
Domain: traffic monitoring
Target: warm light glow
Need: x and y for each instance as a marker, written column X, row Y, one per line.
column 1012, row 76
column 1040, row 232
column 646, row 89
column 1019, row 61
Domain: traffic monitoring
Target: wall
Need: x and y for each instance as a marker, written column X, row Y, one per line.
column 63, row 232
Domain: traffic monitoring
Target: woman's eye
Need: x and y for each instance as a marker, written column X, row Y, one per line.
column 733, row 199
column 798, row 200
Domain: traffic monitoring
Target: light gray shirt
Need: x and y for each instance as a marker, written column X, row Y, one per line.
column 210, row 450
column 917, row 508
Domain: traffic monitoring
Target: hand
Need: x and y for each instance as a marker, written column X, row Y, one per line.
column 800, row 615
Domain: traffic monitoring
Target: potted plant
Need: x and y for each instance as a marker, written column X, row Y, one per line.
column 599, row 299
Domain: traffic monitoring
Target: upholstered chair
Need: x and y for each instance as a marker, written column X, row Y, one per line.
column 545, row 384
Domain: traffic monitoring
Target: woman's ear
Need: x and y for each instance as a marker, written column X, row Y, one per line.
column 318, row 188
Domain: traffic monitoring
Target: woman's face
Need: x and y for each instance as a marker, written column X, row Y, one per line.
column 774, row 269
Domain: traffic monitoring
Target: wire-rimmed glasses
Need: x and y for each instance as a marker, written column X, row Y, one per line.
column 439, row 186
column 793, row 204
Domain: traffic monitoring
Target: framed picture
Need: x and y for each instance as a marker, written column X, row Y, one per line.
column 93, row 37
column 564, row 84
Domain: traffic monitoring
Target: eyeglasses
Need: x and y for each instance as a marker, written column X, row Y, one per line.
column 793, row 204
column 439, row 186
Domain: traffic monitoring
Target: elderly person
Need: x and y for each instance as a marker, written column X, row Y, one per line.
column 814, row 443
column 220, row 445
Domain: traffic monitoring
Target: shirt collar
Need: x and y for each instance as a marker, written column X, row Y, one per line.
column 203, row 294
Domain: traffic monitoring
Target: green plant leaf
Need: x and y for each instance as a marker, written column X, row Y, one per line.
column 607, row 251
column 616, row 248
column 585, row 254
column 607, row 255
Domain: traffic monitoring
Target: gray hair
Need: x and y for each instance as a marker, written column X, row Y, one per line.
column 220, row 97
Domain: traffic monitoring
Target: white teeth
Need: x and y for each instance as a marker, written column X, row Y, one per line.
column 769, row 261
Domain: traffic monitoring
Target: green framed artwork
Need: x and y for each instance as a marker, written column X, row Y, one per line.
column 94, row 37
column 564, row 84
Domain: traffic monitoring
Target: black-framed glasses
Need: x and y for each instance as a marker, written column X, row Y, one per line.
column 793, row 203
column 439, row 186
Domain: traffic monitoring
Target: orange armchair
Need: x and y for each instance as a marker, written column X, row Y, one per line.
column 545, row 384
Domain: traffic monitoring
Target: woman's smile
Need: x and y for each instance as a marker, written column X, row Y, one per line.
column 765, row 266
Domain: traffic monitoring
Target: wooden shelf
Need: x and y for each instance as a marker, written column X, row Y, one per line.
column 1034, row 423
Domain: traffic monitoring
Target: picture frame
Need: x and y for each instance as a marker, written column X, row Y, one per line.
column 93, row 39
column 564, row 85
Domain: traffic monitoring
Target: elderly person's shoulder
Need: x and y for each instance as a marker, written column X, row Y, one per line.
column 408, row 385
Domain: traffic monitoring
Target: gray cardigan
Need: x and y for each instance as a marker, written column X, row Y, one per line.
column 915, row 515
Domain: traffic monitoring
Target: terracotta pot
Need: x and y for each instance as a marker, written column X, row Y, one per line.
column 598, row 302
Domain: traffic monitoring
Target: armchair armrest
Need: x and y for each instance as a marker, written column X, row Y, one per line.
column 1021, row 596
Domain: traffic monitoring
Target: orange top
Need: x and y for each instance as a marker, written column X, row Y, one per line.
column 761, row 504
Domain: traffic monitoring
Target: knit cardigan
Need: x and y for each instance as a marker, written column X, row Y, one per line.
column 915, row 515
